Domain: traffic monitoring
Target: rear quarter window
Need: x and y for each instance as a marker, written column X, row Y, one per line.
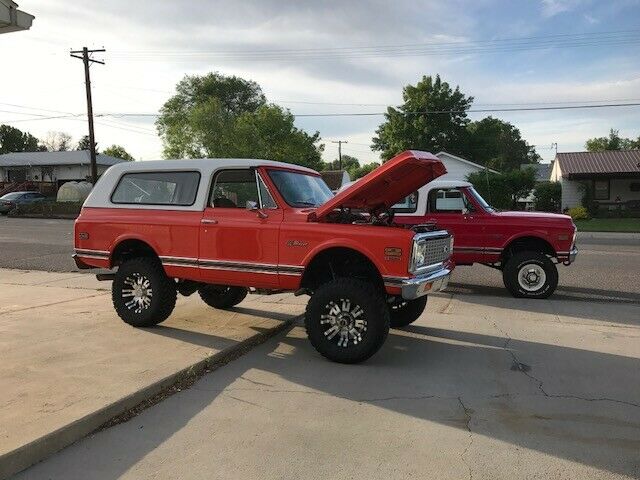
column 157, row 188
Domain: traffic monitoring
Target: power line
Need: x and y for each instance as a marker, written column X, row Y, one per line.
column 425, row 112
column 594, row 39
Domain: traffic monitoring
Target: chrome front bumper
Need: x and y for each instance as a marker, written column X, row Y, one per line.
column 572, row 254
column 421, row 285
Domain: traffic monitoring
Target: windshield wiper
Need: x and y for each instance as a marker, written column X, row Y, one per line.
column 306, row 204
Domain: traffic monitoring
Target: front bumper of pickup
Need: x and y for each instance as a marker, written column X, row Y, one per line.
column 572, row 254
column 421, row 285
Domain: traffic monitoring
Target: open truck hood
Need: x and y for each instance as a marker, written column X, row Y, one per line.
column 388, row 184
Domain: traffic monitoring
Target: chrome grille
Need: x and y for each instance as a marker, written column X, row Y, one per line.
column 438, row 250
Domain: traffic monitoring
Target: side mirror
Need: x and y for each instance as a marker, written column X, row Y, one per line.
column 253, row 207
column 465, row 211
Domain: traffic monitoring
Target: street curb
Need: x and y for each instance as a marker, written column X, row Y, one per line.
column 23, row 457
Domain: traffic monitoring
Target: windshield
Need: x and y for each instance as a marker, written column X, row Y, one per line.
column 11, row 196
column 300, row 189
column 480, row 200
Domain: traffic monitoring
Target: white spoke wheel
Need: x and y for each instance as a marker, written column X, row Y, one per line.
column 405, row 312
column 530, row 275
column 347, row 320
column 141, row 292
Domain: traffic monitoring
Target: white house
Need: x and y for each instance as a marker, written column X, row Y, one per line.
column 458, row 168
column 50, row 167
column 612, row 176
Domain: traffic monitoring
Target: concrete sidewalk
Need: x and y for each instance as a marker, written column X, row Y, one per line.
column 69, row 364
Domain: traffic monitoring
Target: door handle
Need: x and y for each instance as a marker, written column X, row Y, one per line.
column 208, row 221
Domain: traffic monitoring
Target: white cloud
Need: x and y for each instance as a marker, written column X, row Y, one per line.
column 551, row 8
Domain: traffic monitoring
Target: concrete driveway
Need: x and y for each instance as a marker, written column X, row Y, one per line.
column 479, row 387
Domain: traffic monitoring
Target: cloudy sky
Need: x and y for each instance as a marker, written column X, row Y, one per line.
column 318, row 57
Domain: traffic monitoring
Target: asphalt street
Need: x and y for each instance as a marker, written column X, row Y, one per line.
column 605, row 269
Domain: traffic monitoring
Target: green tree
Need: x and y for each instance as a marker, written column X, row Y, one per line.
column 219, row 116
column 613, row 142
column 502, row 190
column 498, row 145
column 349, row 164
column 118, row 151
column 85, row 144
column 14, row 140
column 364, row 170
column 547, row 196
column 409, row 127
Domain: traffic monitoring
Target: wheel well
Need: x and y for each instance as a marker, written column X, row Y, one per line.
column 522, row 244
column 128, row 249
column 339, row 262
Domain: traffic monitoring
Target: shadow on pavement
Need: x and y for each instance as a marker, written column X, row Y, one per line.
column 569, row 403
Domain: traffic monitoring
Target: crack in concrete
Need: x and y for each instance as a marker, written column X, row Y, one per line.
column 525, row 369
column 246, row 401
column 467, row 416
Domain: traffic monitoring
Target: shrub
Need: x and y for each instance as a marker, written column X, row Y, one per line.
column 547, row 196
column 578, row 213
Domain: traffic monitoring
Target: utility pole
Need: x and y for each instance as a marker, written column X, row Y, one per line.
column 87, row 60
column 340, row 142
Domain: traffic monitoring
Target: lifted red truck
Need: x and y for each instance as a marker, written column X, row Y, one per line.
column 223, row 226
column 525, row 246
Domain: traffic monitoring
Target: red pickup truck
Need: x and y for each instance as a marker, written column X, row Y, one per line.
column 223, row 226
column 525, row 246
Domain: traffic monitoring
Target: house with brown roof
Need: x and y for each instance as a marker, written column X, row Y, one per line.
column 613, row 177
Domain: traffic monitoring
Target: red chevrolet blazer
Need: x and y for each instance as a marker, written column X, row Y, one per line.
column 222, row 227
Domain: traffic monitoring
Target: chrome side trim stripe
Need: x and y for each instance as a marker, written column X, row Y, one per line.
column 84, row 252
column 265, row 268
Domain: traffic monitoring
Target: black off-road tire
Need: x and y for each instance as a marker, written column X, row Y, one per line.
column 405, row 312
column 222, row 296
column 369, row 328
column 162, row 300
column 533, row 262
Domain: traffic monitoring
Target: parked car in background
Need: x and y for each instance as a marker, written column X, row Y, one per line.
column 524, row 246
column 11, row 200
column 223, row 226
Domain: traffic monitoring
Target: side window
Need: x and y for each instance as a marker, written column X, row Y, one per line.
column 233, row 189
column 157, row 188
column 407, row 205
column 448, row 200
column 265, row 195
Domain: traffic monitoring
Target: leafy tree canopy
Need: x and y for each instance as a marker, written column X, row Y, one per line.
column 219, row 116
column 118, row 151
column 502, row 190
column 547, row 196
column 613, row 142
column 14, row 140
column 498, row 145
column 85, row 144
column 406, row 127
column 352, row 166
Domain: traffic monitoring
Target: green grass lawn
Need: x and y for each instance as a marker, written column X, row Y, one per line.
column 609, row 225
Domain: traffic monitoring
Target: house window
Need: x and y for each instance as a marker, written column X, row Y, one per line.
column 635, row 187
column 601, row 189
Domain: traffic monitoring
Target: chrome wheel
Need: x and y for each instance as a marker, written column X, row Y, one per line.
column 139, row 294
column 344, row 322
column 532, row 277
